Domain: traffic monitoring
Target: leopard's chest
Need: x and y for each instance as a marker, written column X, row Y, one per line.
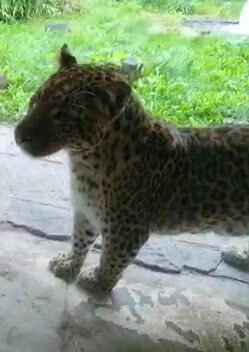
column 85, row 194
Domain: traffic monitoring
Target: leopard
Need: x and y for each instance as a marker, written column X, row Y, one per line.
column 131, row 173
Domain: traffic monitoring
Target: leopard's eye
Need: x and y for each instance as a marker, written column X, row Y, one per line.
column 66, row 100
column 34, row 99
column 57, row 115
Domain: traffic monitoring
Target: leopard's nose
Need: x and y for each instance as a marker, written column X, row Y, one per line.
column 17, row 135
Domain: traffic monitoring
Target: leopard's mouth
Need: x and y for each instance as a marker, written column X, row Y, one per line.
column 32, row 149
column 35, row 146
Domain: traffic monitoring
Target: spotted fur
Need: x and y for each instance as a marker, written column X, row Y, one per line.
column 132, row 174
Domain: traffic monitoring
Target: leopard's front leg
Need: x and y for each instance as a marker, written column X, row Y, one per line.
column 68, row 265
column 120, row 246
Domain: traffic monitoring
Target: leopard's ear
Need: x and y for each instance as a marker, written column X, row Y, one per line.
column 66, row 59
column 118, row 91
column 103, row 98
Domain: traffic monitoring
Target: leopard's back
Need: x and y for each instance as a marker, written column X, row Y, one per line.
column 206, row 185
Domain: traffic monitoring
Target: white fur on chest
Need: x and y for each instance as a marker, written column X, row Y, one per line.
column 83, row 196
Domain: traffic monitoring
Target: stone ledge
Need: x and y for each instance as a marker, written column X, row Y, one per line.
column 146, row 311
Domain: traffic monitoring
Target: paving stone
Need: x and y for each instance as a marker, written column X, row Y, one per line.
column 3, row 81
column 57, row 27
column 165, row 254
column 207, row 25
column 132, row 68
column 226, row 271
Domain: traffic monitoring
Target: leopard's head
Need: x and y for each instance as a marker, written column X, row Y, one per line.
column 65, row 111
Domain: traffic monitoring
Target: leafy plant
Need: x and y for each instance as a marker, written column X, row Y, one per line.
column 11, row 10
column 183, row 6
column 214, row 8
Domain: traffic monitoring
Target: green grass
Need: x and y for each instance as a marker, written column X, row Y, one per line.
column 11, row 10
column 189, row 81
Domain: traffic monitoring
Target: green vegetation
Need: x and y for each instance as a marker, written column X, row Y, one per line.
column 198, row 80
column 11, row 10
column 16, row 10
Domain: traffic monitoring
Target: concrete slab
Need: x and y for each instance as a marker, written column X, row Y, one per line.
column 146, row 311
column 208, row 26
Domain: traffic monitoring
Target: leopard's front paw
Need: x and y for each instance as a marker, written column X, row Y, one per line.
column 92, row 281
column 65, row 266
column 237, row 256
